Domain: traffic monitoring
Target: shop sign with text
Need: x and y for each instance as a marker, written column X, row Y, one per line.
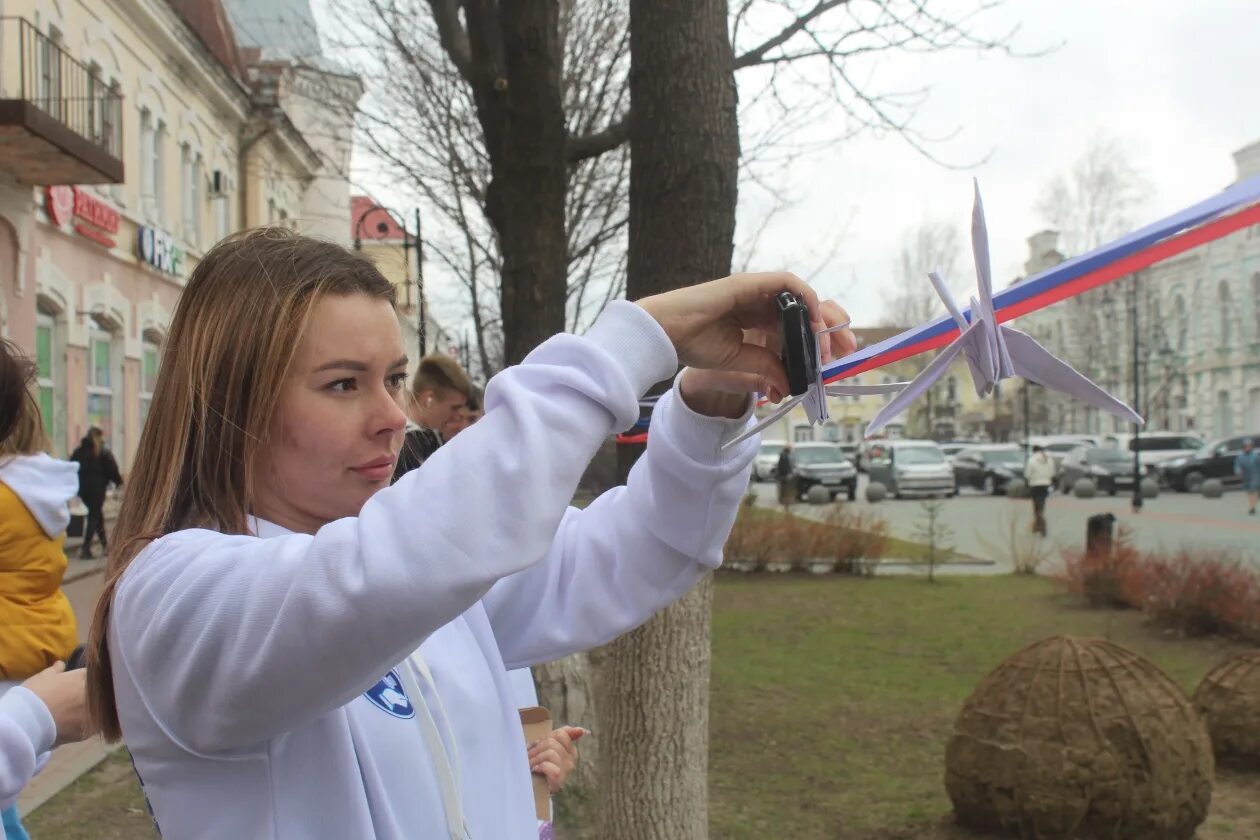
column 159, row 249
column 92, row 217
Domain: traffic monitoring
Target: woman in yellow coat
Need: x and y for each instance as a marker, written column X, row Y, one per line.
column 37, row 625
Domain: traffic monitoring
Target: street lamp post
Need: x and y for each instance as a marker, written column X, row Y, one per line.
column 1137, row 396
column 409, row 242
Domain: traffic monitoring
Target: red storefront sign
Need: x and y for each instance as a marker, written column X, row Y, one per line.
column 93, row 218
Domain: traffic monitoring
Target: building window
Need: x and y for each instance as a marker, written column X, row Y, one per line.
column 146, row 159
column 831, row 432
column 887, row 380
column 803, row 433
column 1226, row 305
column 148, row 374
column 186, row 189
column 199, row 198
column 1224, row 414
column 1255, row 306
column 1182, row 323
column 100, row 398
column 45, row 372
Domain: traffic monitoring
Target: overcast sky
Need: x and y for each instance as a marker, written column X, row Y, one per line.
column 1176, row 82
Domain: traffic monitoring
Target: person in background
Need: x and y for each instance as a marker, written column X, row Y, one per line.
column 469, row 414
column 98, row 469
column 1039, row 473
column 783, row 473
column 1247, row 467
column 438, row 394
column 41, row 704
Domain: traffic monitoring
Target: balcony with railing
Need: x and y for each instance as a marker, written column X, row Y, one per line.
column 59, row 122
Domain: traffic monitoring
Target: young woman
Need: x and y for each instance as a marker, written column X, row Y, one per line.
column 37, row 627
column 295, row 649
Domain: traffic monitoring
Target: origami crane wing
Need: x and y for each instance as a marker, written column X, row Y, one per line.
column 927, row 376
column 1037, row 364
column 1002, row 367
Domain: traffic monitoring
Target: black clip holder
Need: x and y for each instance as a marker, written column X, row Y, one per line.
column 800, row 354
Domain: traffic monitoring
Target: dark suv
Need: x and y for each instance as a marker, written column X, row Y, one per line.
column 1215, row 460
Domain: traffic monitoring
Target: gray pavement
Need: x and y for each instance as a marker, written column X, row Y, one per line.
column 980, row 524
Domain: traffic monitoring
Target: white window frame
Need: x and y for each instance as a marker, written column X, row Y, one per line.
column 147, row 346
column 94, row 388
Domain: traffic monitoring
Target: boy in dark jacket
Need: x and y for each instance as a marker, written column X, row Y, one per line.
column 97, row 471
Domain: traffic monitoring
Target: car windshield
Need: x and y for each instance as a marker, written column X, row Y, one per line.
column 919, row 455
column 1106, row 456
column 819, row 455
column 1003, row 456
column 771, row 449
column 1063, row 447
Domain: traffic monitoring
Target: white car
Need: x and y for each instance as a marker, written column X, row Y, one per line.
column 912, row 467
column 766, row 464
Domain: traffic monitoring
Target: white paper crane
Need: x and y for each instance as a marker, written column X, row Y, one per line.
column 815, row 396
column 995, row 352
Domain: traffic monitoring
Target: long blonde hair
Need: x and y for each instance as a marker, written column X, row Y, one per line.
column 231, row 343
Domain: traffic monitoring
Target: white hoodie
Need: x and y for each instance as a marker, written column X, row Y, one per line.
column 263, row 682
column 45, row 485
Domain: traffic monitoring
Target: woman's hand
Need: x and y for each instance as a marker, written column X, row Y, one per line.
column 555, row 756
column 65, row 694
column 727, row 332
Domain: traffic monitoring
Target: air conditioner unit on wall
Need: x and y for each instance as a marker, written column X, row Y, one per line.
column 221, row 183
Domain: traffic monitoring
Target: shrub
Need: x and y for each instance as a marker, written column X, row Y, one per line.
column 1106, row 579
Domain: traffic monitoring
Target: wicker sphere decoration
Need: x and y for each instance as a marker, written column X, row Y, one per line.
column 876, row 492
column 1229, row 701
column 1212, row 488
column 1079, row 739
column 818, row 495
column 1084, row 488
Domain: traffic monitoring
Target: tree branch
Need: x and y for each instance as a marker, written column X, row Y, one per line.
column 758, row 53
column 595, row 144
column 452, row 36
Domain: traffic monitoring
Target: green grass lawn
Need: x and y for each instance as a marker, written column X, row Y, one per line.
column 832, row 700
column 833, row 697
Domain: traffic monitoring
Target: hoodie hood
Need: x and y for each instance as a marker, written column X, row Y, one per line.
column 45, row 485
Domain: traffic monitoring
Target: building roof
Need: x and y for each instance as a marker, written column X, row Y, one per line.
column 280, row 29
column 210, row 23
column 379, row 226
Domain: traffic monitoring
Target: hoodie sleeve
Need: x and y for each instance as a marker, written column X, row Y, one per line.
column 27, row 732
column 207, row 626
column 635, row 549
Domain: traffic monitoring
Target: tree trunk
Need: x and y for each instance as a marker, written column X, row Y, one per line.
column 516, row 65
column 652, row 687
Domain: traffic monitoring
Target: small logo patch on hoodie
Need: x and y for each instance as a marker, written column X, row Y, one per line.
column 389, row 696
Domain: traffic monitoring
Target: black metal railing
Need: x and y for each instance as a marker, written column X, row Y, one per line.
column 47, row 76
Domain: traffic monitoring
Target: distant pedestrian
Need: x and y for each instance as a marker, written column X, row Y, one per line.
column 1247, row 467
column 439, row 393
column 98, row 469
column 469, row 414
column 1040, row 476
column 785, row 473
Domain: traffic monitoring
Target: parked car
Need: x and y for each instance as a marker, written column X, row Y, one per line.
column 1058, row 446
column 766, row 464
column 989, row 467
column 1109, row 468
column 950, row 450
column 825, row 464
column 912, row 467
column 1154, row 447
column 850, row 451
column 1214, row 460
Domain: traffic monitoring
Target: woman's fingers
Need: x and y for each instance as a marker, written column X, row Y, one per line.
column 554, row 775
column 841, row 342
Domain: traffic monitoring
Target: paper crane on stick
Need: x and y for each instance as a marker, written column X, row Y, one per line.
column 995, row 352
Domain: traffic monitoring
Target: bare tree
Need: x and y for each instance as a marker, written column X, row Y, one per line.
column 433, row 111
column 931, row 246
column 1097, row 199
